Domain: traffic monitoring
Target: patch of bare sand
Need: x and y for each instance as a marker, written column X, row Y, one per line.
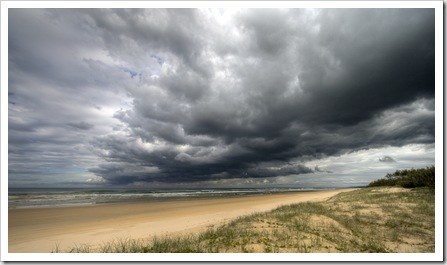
column 390, row 190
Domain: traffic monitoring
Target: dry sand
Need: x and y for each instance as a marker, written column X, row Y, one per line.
column 41, row 229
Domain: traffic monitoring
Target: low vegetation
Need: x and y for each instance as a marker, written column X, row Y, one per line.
column 408, row 178
column 374, row 219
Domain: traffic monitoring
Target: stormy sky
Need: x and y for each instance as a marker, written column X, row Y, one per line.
column 219, row 97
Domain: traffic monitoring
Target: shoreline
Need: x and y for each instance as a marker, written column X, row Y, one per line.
column 36, row 230
column 174, row 197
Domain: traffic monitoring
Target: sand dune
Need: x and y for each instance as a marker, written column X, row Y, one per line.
column 42, row 229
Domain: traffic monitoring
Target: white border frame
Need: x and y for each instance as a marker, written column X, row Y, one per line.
column 439, row 144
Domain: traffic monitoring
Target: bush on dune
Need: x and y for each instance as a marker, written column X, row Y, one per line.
column 408, row 178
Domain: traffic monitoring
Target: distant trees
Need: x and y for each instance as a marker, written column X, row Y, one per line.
column 408, row 178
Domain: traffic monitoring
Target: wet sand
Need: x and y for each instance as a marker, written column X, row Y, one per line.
column 35, row 230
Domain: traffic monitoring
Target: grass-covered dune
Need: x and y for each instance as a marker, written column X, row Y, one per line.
column 374, row 219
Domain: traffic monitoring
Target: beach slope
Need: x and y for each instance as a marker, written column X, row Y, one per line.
column 37, row 230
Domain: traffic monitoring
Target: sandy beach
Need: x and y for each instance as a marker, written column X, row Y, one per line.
column 35, row 230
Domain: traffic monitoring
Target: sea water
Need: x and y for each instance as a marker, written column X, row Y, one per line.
column 65, row 197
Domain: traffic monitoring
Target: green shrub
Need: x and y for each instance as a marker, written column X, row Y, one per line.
column 408, row 178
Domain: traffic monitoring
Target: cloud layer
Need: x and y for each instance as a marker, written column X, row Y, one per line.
column 192, row 95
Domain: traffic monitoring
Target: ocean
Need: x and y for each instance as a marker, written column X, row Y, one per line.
column 66, row 197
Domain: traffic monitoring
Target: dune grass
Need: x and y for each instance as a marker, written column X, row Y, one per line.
column 375, row 219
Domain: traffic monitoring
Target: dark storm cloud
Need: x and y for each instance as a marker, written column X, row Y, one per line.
column 255, row 96
column 295, row 87
column 387, row 159
column 385, row 63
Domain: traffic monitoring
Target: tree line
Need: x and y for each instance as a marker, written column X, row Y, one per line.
column 408, row 178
